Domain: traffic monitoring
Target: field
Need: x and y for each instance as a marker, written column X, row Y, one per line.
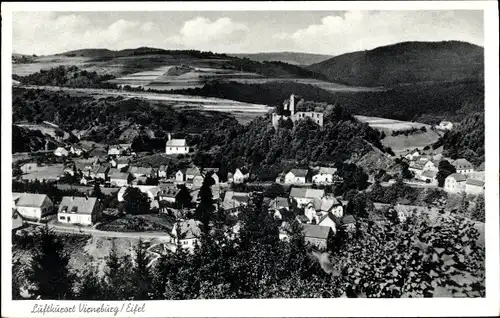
column 45, row 129
column 49, row 172
column 401, row 142
column 243, row 112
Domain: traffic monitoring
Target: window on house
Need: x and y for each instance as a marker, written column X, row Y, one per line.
column 62, row 218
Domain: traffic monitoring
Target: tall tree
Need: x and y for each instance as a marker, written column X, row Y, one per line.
column 445, row 168
column 135, row 202
column 206, row 207
column 141, row 277
column 49, row 272
column 479, row 211
column 117, row 275
column 91, row 286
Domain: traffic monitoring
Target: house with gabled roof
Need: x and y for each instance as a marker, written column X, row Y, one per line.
column 349, row 223
column 325, row 175
column 17, row 221
column 211, row 172
column 136, row 171
column 455, row 182
column 189, row 231
column 330, row 204
column 463, row 166
column 317, row 235
column 428, row 176
column 162, row 171
column 119, row 179
column 240, row 175
column 328, row 220
column 32, row 205
column 303, row 196
column 176, row 146
column 79, row 210
column 234, row 201
column 296, row 176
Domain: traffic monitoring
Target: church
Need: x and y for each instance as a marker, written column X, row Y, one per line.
column 176, row 146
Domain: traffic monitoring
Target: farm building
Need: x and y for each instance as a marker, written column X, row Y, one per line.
column 31, row 205
column 79, row 210
column 455, row 182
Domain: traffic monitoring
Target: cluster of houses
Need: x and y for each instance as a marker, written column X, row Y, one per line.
column 314, row 175
column 72, row 209
column 466, row 179
column 321, row 215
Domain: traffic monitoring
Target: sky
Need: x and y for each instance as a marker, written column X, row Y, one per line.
column 322, row 32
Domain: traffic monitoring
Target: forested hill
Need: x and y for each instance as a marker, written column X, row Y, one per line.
column 428, row 103
column 406, row 62
column 466, row 140
column 269, row 151
column 66, row 76
column 108, row 119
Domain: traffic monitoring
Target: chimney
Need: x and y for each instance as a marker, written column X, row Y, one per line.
column 169, row 136
column 292, row 104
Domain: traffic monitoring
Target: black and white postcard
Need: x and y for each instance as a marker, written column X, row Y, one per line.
column 250, row 159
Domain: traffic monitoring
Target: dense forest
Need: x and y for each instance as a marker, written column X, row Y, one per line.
column 105, row 119
column 70, row 76
column 26, row 140
column 415, row 259
column 406, row 62
column 427, row 103
column 466, row 140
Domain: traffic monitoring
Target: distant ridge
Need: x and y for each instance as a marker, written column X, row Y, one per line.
column 406, row 62
column 295, row 58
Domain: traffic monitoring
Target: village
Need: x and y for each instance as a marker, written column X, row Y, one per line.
column 174, row 193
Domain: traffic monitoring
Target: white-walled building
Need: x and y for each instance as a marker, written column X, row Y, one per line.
column 32, row 205
column 474, row 186
column 190, row 233
column 296, row 176
column 79, row 210
column 176, row 146
column 240, row 175
column 455, row 182
column 463, row 166
column 324, row 175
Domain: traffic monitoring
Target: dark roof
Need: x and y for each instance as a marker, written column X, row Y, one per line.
column 348, row 219
column 299, row 172
column 316, row 231
column 458, row 177
column 475, row 182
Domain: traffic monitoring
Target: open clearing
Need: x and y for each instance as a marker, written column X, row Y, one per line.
column 401, row 142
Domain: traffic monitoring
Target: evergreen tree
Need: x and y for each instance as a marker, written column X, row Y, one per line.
column 135, row 202
column 49, row 272
column 97, row 192
column 117, row 275
column 91, row 287
column 445, row 168
column 464, row 204
column 479, row 212
column 205, row 209
column 141, row 276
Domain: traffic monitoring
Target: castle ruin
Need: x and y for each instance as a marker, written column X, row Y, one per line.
column 294, row 116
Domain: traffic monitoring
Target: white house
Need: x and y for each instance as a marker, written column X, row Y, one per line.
column 455, row 182
column 176, row 146
column 240, row 175
column 428, row 176
column 119, row 179
column 326, row 220
column 413, row 155
column 463, row 166
column 115, row 150
column 121, row 163
column 331, row 205
column 31, row 205
column 234, row 201
column 189, row 233
column 162, row 171
column 431, row 165
column 213, row 173
column 75, row 150
column 303, row 196
column 324, row 175
column 296, row 176
column 61, row 152
column 79, row 210
column 474, row 186
column 445, row 125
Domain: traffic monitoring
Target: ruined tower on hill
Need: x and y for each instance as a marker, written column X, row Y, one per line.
column 294, row 116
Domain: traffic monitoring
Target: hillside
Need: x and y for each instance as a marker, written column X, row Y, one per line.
column 27, row 140
column 63, row 76
column 295, row 58
column 406, row 62
column 144, row 59
column 108, row 119
column 466, row 140
column 427, row 103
